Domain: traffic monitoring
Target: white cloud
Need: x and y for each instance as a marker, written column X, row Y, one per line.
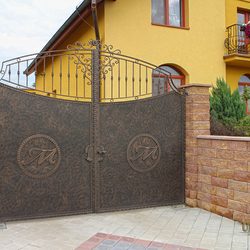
column 27, row 25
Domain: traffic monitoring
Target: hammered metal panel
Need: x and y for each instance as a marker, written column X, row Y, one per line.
column 144, row 162
column 43, row 170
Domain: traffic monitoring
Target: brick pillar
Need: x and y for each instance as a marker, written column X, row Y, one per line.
column 197, row 123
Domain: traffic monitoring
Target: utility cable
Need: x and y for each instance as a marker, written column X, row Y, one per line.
column 82, row 18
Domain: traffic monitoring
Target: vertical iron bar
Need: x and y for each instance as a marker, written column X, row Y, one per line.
column 126, row 78
column 112, row 89
column 119, row 79
column 60, row 75
column 76, row 81
column 159, row 83
column 52, row 75
column 95, row 111
column 133, row 79
column 18, row 73
column 44, row 65
column 147, row 80
column 69, row 75
column 9, row 72
column 139, row 79
column 27, row 78
column 35, row 72
column 84, row 82
column 104, row 86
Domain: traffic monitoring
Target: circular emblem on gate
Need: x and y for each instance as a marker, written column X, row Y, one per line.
column 39, row 156
column 143, row 153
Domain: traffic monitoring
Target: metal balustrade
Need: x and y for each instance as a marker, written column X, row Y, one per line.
column 237, row 42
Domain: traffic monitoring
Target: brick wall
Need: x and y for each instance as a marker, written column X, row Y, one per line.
column 197, row 123
column 217, row 167
column 224, row 176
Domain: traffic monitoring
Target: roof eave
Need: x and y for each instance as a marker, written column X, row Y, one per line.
column 67, row 24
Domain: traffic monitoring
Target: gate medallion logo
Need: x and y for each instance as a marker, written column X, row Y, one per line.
column 143, row 153
column 38, row 156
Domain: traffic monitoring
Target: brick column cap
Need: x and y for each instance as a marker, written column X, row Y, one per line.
column 195, row 85
column 223, row 138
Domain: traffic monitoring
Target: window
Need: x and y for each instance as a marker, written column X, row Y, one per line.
column 243, row 41
column 242, row 17
column 160, row 81
column 243, row 81
column 168, row 12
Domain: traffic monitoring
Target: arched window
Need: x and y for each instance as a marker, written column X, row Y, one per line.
column 160, row 81
column 244, row 81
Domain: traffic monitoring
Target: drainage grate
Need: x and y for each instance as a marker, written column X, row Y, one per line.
column 3, row 225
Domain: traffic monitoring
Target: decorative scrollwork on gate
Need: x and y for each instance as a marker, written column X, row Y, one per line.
column 143, row 153
column 82, row 46
column 38, row 156
column 108, row 57
column 82, row 60
column 110, row 49
column 84, row 64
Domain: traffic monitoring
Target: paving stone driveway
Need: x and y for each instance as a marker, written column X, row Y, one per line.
column 181, row 226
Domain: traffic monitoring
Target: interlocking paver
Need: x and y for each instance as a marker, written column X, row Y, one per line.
column 175, row 227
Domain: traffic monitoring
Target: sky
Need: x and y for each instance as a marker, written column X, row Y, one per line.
column 27, row 25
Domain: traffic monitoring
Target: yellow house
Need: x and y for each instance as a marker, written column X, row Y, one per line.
column 236, row 58
column 196, row 41
column 177, row 34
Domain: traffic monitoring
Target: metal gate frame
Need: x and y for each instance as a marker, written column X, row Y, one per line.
column 98, row 68
column 98, row 73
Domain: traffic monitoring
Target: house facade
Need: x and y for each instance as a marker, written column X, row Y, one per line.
column 196, row 41
column 236, row 58
column 173, row 34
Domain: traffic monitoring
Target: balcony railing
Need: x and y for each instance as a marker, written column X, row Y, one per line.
column 237, row 42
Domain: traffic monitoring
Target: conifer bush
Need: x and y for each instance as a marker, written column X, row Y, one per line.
column 226, row 110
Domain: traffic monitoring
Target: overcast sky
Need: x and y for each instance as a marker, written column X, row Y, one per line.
column 27, row 25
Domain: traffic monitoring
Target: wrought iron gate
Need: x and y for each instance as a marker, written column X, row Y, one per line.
column 120, row 146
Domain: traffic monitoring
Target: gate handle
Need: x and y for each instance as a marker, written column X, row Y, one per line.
column 101, row 152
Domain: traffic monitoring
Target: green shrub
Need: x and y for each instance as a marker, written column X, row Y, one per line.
column 227, row 111
column 244, row 126
column 246, row 95
column 218, row 127
column 226, row 106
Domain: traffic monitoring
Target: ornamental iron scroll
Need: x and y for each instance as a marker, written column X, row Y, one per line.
column 68, row 74
column 93, row 44
column 143, row 153
column 38, row 156
column 83, row 61
column 106, row 63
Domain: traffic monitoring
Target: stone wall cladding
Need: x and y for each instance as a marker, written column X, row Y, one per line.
column 217, row 167
column 224, row 176
column 197, row 123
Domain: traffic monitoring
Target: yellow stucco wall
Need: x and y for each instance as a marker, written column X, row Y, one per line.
column 68, row 84
column 198, row 51
column 231, row 10
column 233, row 73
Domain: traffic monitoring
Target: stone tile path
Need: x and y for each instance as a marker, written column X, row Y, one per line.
column 181, row 226
column 102, row 241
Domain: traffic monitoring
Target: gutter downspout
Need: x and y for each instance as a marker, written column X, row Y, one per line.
column 94, row 13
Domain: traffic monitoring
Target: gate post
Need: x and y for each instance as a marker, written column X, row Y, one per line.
column 95, row 54
column 197, row 123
